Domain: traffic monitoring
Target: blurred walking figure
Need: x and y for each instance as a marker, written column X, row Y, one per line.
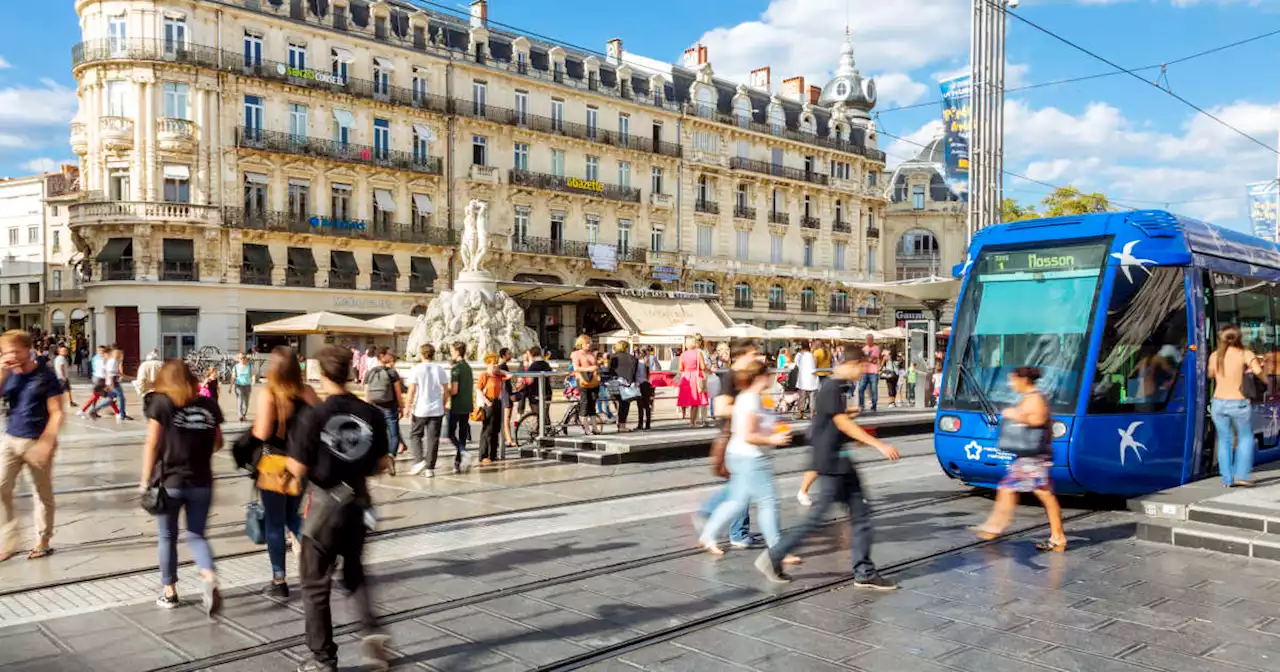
column 145, row 381
column 184, row 430
column 29, row 440
column 625, row 367
column 1232, row 408
column 1025, row 431
column 460, row 401
column 428, row 382
column 243, row 380
column 61, row 367
column 829, row 433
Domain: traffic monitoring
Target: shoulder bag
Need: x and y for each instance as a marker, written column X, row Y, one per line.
column 255, row 519
column 155, row 500
column 1252, row 387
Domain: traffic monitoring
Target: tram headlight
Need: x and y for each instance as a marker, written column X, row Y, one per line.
column 1059, row 429
column 949, row 423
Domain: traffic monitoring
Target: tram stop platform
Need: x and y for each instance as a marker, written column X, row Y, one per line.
column 1207, row 515
column 611, row 448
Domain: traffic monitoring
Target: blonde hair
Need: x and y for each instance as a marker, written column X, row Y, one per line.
column 284, row 383
column 621, row 346
column 697, row 341
column 490, row 358
column 583, row 341
column 175, row 380
column 16, row 337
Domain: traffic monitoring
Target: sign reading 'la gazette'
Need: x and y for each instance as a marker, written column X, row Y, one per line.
column 585, row 185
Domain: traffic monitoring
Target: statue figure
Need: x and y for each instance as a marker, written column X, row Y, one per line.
column 482, row 236
column 467, row 247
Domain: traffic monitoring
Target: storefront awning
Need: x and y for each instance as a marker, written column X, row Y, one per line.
column 422, row 203
column 424, row 132
column 255, row 178
column 257, row 255
column 920, row 289
column 344, row 261
column 344, row 118
column 384, row 64
column 385, row 264
column 180, row 250
column 424, row 268
column 301, row 259
column 384, row 200
column 652, row 311
column 114, row 250
column 344, row 55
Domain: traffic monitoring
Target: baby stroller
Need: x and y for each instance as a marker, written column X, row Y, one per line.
column 789, row 402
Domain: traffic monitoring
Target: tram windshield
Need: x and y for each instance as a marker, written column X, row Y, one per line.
column 1024, row 307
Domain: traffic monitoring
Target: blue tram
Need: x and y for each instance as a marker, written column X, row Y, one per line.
column 1119, row 311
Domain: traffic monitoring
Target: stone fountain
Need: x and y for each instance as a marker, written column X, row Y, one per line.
column 474, row 311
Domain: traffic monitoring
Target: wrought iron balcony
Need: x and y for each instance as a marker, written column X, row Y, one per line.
column 382, row 283
column 420, row 285
column 179, row 271
column 252, row 274
column 839, row 308
column 293, row 222
column 926, row 260
column 523, row 119
column 298, row 278
column 776, row 217
column 777, row 305
column 870, row 311
column 341, row 280
column 808, row 305
column 116, row 270
column 810, row 222
column 745, row 304
column 709, row 207
column 777, row 170
column 553, row 246
column 841, row 227
column 744, row 212
column 873, row 233
column 301, row 145
column 574, row 185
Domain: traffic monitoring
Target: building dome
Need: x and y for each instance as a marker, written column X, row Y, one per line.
column 848, row 86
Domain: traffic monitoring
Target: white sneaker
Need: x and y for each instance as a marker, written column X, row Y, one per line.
column 418, row 468
column 81, row 414
column 429, row 473
column 119, row 418
column 804, row 499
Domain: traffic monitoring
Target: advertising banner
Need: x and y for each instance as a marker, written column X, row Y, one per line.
column 603, row 257
column 1262, row 208
column 956, row 120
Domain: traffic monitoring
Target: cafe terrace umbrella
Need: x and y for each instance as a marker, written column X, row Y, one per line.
column 741, row 331
column 400, row 324
column 790, row 332
column 322, row 322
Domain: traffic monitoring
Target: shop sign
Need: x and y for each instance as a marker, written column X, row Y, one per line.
column 319, row 76
column 362, row 303
column 339, row 224
column 904, row 315
column 585, row 185
column 658, row 294
column 666, row 273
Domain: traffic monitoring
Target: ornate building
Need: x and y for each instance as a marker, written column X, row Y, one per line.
column 246, row 160
column 925, row 224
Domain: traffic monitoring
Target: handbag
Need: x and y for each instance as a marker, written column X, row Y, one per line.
column 155, row 500
column 587, row 381
column 718, row 446
column 477, row 414
column 1252, row 387
column 255, row 520
column 628, row 391
column 274, row 476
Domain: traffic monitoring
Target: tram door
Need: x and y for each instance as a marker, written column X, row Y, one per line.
column 1206, row 462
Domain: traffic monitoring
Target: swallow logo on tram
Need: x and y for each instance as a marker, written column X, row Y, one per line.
column 1127, row 441
column 1127, row 260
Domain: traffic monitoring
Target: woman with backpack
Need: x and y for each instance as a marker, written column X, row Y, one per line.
column 275, row 419
column 1234, row 392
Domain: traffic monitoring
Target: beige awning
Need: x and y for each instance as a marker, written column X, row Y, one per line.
column 790, row 331
column 932, row 288
column 401, row 324
column 322, row 323
column 653, row 315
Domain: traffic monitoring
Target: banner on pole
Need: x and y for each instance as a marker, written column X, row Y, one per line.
column 1263, row 207
column 956, row 122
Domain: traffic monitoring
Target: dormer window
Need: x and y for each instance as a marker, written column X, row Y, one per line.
column 842, row 89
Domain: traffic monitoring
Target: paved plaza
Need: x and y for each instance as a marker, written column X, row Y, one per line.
column 540, row 565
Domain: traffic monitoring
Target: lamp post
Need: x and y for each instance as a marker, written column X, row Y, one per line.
column 986, row 146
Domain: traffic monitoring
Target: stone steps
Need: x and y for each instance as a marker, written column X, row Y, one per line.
column 1208, row 516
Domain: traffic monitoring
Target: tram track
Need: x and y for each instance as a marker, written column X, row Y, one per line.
column 393, row 533
column 283, row 644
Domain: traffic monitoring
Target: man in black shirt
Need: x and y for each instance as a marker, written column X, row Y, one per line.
column 338, row 445
column 831, row 429
column 538, row 391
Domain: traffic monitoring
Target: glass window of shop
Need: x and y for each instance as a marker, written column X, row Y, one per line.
column 178, row 329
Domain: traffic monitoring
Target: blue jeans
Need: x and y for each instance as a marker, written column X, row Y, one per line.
column 281, row 512
column 115, row 392
column 750, row 480
column 739, row 529
column 872, row 383
column 393, row 429
column 459, row 429
column 1228, row 415
column 196, row 503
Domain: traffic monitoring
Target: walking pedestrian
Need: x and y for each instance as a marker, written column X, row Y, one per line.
column 1025, row 432
column 243, row 380
column 831, row 429
column 145, row 381
column 460, row 401
column 586, row 370
column 889, row 373
column 538, row 390
column 103, row 390
column 275, row 420
column 184, row 430
column 210, row 387
column 749, row 460
column 428, row 386
column 870, row 382
column 806, row 380
column 624, row 366
column 29, row 440
column 644, row 367
column 1232, row 409
column 508, row 398
column 339, row 445
column 694, row 367
column 911, row 384
column 62, row 370
column 489, row 388
column 384, row 390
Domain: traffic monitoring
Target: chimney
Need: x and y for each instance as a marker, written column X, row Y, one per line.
column 793, row 88
column 613, row 51
column 479, row 13
column 815, row 92
column 760, row 79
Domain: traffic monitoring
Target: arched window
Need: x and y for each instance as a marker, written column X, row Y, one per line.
column 839, row 302
column 918, row 254
column 808, row 300
column 706, row 101
column 777, row 298
column 807, row 125
column 742, row 295
column 742, row 111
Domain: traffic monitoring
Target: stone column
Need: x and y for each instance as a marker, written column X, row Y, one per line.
column 138, row 180
column 202, row 180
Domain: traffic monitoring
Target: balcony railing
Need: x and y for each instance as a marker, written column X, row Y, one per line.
column 777, row 170
column 65, row 294
column 288, row 143
column 841, row 227
column 102, row 212
column 919, row 260
column 873, row 233
column 298, row 278
column 252, row 274
column 558, row 247
column 574, row 185
column 744, row 212
column 777, row 305
column 808, row 306
column 382, row 283
column 808, row 222
column 776, row 217
column 709, row 207
column 179, row 271
column 116, row 270
column 419, row 285
column 341, row 280
column 745, row 304
column 292, row 222
column 568, row 129
column 839, row 308
column 870, row 311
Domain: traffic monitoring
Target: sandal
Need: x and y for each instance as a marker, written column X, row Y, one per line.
column 714, row 549
column 792, row 560
column 37, row 553
column 985, row 533
column 6, row 556
column 1051, row 545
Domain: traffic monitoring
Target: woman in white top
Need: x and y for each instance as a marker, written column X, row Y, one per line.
column 749, row 459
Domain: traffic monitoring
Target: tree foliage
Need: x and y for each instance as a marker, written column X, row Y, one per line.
column 1064, row 201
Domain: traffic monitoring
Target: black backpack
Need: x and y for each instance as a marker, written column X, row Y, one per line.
column 379, row 388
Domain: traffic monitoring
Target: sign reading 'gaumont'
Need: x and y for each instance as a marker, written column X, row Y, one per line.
column 322, row 77
column 340, row 224
column 586, row 185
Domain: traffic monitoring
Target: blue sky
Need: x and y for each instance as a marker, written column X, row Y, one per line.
column 1117, row 135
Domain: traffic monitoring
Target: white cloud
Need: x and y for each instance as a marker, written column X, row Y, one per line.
column 10, row 141
column 4, row 64
column 49, row 105
column 43, row 164
column 899, row 89
column 909, row 145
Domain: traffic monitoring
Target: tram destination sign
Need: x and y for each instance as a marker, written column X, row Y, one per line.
column 1066, row 258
